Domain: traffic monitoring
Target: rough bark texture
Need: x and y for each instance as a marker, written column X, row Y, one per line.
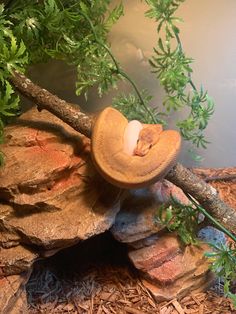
column 179, row 175
column 67, row 112
column 204, row 193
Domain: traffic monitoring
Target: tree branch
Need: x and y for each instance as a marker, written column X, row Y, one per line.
column 204, row 193
column 179, row 175
column 67, row 112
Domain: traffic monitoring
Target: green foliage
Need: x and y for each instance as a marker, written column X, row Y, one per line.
column 163, row 12
column 62, row 30
column 171, row 66
column 9, row 106
column 132, row 108
column 223, row 264
column 8, row 102
column 114, row 16
column 76, row 31
column 184, row 220
column 91, row 73
column 173, row 69
column 13, row 57
column 34, row 31
column 180, row 218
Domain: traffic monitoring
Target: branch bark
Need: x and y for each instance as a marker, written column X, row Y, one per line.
column 179, row 175
column 204, row 193
column 67, row 112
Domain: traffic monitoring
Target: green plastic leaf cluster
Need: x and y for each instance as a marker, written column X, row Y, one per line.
column 163, row 12
column 184, row 219
column 173, row 69
column 76, row 31
column 223, row 264
column 131, row 107
column 73, row 31
column 180, row 218
column 13, row 57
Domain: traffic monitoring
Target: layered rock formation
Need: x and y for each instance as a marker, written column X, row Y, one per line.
column 168, row 268
column 51, row 197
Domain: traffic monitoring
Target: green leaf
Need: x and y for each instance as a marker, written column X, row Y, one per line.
column 131, row 107
column 84, row 7
column 180, row 218
column 169, row 215
column 114, row 16
column 173, row 69
column 194, row 156
column 9, row 103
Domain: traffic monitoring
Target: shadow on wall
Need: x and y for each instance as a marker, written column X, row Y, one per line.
column 208, row 36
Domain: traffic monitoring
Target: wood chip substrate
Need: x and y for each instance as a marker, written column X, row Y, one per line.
column 111, row 290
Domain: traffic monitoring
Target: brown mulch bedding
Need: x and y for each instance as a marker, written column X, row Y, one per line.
column 111, row 289
column 108, row 289
column 114, row 288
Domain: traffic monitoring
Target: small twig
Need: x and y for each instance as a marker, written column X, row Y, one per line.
column 226, row 177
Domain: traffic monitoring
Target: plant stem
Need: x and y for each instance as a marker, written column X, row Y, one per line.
column 99, row 42
column 181, row 50
column 118, row 69
column 212, row 219
column 138, row 94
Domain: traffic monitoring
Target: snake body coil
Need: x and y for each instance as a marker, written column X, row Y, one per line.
column 123, row 170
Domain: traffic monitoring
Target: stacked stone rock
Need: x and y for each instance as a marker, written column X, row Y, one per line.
column 169, row 269
column 51, row 198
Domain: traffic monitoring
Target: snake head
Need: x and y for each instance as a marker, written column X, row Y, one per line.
column 142, row 148
column 148, row 137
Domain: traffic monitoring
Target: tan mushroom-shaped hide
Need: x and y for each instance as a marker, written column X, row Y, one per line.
column 121, row 169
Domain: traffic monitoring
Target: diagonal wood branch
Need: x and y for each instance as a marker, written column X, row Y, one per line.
column 67, row 112
column 70, row 113
column 204, row 193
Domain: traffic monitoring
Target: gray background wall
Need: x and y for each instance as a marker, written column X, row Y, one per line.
column 208, row 35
